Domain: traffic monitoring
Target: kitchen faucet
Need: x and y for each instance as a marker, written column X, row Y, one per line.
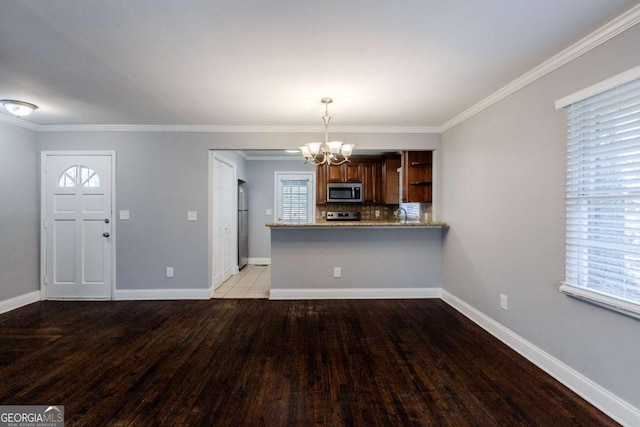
column 397, row 213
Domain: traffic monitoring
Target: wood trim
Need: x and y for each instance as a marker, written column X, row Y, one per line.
column 19, row 301
column 354, row 293
column 162, row 294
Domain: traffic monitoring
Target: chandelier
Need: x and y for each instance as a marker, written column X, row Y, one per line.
column 329, row 152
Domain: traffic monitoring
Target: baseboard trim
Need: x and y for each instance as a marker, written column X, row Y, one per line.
column 19, row 301
column 260, row 261
column 618, row 409
column 354, row 293
column 162, row 294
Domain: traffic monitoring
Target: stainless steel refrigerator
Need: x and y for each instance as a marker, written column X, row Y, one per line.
column 243, row 225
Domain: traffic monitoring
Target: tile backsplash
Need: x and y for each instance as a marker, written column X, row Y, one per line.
column 368, row 212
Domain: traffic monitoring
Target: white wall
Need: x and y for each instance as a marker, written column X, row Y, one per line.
column 502, row 194
column 19, row 214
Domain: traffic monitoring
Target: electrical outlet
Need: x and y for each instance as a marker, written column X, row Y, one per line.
column 324, row 214
column 377, row 213
column 192, row 216
column 337, row 272
column 124, row 214
column 169, row 271
column 503, row 302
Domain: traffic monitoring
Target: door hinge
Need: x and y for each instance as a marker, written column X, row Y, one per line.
column 46, row 224
column 45, row 279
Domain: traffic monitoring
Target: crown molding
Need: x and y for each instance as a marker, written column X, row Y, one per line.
column 285, row 158
column 19, row 122
column 232, row 129
column 593, row 40
column 614, row 27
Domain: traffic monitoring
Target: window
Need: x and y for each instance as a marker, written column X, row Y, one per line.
column 79, row 176
column 295, row 203
column 603, row 196
column 412, row 209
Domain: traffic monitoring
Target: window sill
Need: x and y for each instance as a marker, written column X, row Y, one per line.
column 610, row 303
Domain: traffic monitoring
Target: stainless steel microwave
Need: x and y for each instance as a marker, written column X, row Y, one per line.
column 347, row 192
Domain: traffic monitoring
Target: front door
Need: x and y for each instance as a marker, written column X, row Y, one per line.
column 77, row 225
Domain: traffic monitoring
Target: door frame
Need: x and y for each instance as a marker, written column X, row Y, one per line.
column 312, row 191
column 43, row 200
column 213, row 157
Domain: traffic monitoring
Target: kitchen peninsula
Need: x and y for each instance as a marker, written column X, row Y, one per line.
column 363, row 259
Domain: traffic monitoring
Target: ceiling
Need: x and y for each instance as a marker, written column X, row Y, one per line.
column 409, row 63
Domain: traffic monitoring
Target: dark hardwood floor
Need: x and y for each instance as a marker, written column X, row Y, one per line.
column 274, row 363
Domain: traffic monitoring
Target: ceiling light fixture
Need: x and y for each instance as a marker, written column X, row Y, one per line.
column 18, row 108
column 331, row 153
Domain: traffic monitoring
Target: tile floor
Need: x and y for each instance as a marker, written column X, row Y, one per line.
column 253, row 281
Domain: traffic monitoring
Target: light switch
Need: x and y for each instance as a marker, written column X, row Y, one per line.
column 269, row 212
column 192, row 216
column 124, row 214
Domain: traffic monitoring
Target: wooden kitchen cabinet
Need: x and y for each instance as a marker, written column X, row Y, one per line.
column 364, row 169
column 417, row 176
column 391, row 179
column 321, row 185
column 372, row 183
column 346, row 172
column 334, row 173
column 352, row 172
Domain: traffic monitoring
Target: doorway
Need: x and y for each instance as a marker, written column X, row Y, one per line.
column 77, row 235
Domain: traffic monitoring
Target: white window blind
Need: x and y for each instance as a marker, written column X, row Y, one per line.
column 603, row 199
column 295, row 201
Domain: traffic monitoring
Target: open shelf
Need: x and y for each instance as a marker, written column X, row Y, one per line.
column 417, row 176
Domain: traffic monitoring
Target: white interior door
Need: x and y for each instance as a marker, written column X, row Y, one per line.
column 77, row 225
column 223, row 228
column 229, row 211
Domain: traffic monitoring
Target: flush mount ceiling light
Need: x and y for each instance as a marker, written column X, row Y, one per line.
column 331, row 153
column 18, row 108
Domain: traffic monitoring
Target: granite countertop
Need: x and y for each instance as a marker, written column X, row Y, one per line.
column 379, row 224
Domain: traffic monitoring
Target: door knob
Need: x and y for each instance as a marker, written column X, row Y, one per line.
column 106, row 234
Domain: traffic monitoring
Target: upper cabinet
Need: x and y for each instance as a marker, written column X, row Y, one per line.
column 346, row 172
column 321, row 185
column 380, row 178
column 391, row 179
column 371, row 173
column 364, row 169
column 417, row 176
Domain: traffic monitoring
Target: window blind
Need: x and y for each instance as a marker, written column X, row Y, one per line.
column 603, row 198
column 295, row 201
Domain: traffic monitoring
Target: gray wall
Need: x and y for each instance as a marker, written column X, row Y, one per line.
column 502, row 194
column 162, row 175
column 261, row 183
column 19, row 213
column 370, row 258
